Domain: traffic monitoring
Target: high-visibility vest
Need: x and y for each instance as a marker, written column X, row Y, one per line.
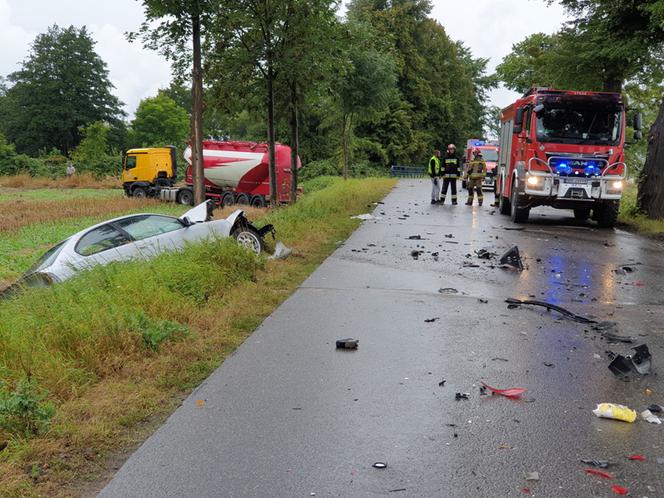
column 476, row 169
column 434, row 166
column 451, row 168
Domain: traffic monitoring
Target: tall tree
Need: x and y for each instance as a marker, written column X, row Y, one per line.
column 62, row 85
column 159, row 121
column 177, row 28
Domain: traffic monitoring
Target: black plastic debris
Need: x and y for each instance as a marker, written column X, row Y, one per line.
column 655, row 408
column 435, row 256
column 602, row 464
column 485, row 254
column 415, row 237
column 548, row 364
column 468, row 264
column 624, row 270
column 348, row 343
column 512, row 258
column 415, row 254
column 379, row 465
column 638, row 363
column 442, row 383
column 566, row 313
column 460, row 396
column 449, row 236
column 483, row 391
column 431, row 320
column 516, row 229
column 482, row 301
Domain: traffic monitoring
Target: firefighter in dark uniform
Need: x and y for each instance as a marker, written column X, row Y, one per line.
column 451, row 171
column 434, row 173
column 475, row 173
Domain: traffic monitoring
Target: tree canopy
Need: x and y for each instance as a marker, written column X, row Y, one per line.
column 159, row 121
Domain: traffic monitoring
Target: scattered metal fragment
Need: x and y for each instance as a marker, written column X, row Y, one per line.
column 460, row 396
column 512, row 258
column 602, row 464
column 348, row 343
column 549, row 306
column 532, row 476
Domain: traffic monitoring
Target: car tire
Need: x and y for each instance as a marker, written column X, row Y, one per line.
column 581, row 214
column 249, row 238
column 186, row 197
column 503, row 202
column 258, row 201
column 228, row 199
column 607, row 214
column 139, row 193
column 518, row 214
column 243, row 199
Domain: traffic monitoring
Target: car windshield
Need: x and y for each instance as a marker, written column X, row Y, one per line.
column 594, row 125
column 48, row 258
column 490, row 155
column 145, row 226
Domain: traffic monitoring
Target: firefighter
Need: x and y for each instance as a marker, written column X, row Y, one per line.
column 434, row 172
column 475, row 173
column 450, row 172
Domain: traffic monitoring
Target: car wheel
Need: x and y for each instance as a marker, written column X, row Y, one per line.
column 139, row 193
column 248, row 238
column 243, row 199
column 607, row 214
column 186, row 197
column 258, row 201
column 228, row 199
column 581, row 214
column 518, row 214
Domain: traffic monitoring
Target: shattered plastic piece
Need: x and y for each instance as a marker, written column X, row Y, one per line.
column 281, row 251
column 485, row 254
column 619, row 490
column 547, row 364
column 442, row 383
column 532, row 476
column 602, row 464
column 655, row 408
column 415, row 237
column 483, row 301
column 549, row 306
column 648, row 416
column 379, row 465
column 514, row 392
column 431, row 320
column 348, row 343
column 460, row 396
column 615, row 412
column 512, row 258
column 448, row 290
column 638, row 458
column 598, row 473
column 639, row 362
column 200, row 403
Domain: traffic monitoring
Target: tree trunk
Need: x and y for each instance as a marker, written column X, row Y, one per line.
column 197, row 114
column 346, row 144
column 295, row 141
column 272, row 166
column 651, row 182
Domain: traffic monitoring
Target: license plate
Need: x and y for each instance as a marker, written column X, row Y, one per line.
column 575, row 181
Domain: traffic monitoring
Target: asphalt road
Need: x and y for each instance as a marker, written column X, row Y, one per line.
column 287, row 415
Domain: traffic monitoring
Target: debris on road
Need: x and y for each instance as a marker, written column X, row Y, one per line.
column 485, row 254
column 549, row 306
column 655, row 408
column 512, row 258
column 615, row 412
column 639, row 363
column 431, row 320
column 379, row 465
column 448, row 290
column 365, row 217
column 648, row 416
column 514, row 392
column 548, row 364
column 442, row 383
column 532, row 476
column 482, row 301
column 602, row 464
column 460, row 396
column 415, row 237
column 416, row 254
column 348, row 343
column 624, row 270
column 619, row 490
column 637, row 458
column 468, row 264
column 281, row 251
column 599, row 473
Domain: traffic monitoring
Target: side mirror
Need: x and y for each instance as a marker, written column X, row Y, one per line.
column 186, row 221
column 518, row 121
column 638, row 121
column 638, row 135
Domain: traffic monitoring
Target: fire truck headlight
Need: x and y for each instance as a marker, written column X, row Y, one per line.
column 617, row 185
column 533, row 181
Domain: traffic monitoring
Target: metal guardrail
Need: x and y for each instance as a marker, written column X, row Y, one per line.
column 407, row 171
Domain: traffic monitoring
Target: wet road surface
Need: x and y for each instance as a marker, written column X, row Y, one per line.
column 288, row 415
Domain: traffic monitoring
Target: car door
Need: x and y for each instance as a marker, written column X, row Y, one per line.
column 102, row 245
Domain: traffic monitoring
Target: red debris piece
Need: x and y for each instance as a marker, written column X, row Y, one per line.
column 619, row 490
column 599, row 473
column 514, row 392
column 639, row 458
column 525, row 491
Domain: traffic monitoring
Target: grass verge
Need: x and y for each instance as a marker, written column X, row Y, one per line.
column 632, row 219
column 95, row 373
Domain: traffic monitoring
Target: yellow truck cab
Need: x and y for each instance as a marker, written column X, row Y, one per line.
column 146, row 171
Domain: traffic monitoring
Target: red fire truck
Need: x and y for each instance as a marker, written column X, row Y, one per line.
column 563, row 149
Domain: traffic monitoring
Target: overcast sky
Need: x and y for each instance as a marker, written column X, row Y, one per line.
column 488, row 27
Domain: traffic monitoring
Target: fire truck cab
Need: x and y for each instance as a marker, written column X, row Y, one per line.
column 563, row 149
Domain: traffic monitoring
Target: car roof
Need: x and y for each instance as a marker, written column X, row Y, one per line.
column 119, row 218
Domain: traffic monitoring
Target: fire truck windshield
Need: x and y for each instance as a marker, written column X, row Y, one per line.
column 592, row 125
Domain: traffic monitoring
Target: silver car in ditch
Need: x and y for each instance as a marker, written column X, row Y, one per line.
column 138, row 236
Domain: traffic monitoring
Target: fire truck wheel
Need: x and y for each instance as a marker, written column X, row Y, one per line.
column 582, row 214
column 249, row 238
column 243, row 199
column 503, row 202
column 228, row 199
column 607, row 214
column 186, row 197
column 258, row 201
column 518, row 214
column 139, row 193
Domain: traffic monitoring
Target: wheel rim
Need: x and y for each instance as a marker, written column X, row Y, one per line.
column 140, row 193
column 185, row 198
column 249, row 241
column 228, row 200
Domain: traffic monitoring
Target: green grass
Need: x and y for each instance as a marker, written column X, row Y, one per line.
column 50, row 194
column 117, row 346
column 630, row 217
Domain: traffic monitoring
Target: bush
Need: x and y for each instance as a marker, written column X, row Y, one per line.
column 23, row 412
column 324, row 167
column 154, row 332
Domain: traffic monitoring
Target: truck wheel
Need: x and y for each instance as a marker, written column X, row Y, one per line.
column 250, row 239
column 503, row 202
column 518, row 214
column 607, row 214
column 186, row 197
column 139, row 193
column 258, row 201
column 228, row 199
column 243, row 199
column 582, row 214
